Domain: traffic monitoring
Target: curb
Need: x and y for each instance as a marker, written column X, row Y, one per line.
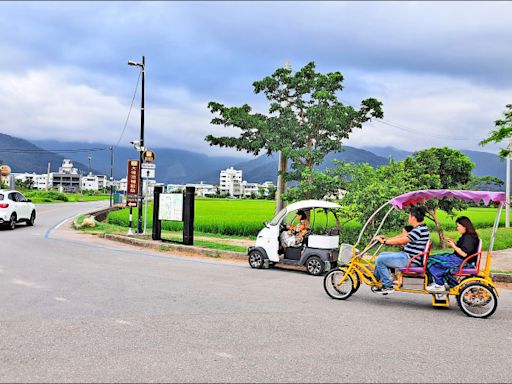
column 167, row 246
column 501, row 277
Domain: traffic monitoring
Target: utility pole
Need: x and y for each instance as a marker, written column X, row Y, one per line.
column 48, row 177
column 507, row 189
column 139, row 205
column 111, row 174
column 89, row 158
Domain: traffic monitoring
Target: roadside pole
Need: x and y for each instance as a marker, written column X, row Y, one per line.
column 48, row 177
column 146, row 206
column 507, row 191
column 130, row 232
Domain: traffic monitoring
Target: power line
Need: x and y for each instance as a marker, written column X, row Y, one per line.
column 76, row 150
column 130, row 110
column 409, row 130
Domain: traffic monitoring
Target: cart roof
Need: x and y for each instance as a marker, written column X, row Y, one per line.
column 403, row 201
column 311, row 204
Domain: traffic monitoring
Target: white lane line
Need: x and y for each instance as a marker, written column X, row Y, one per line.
column 124, row 322
column 224, row 354
column 25, row 283
column 61, row 299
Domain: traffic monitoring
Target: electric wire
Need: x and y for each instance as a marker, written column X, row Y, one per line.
column 129, row 111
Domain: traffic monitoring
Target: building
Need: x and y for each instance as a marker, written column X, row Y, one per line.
column 250, row 189
column 67, row 179
column 231, row 182
column 89, row 182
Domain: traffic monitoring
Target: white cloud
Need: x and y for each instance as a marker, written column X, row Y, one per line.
column 48, row 105
column 431, row 111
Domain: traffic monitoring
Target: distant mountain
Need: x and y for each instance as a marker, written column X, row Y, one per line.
column 486, row 164
column 23, row 156
column 264, row 168
column 172, row 165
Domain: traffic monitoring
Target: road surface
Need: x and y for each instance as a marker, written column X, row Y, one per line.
column 78, row 308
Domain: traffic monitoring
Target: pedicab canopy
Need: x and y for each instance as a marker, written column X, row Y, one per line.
column 418, row 197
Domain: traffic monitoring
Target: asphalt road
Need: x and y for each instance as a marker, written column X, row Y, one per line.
column 77, row 309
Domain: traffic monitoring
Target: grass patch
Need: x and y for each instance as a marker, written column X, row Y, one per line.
column 45, row 197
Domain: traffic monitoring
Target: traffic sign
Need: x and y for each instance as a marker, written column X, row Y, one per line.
column 148, row 173
column 148, row 156
column 148, row 166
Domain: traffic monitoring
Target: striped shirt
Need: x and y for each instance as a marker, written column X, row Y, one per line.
column 418, row 237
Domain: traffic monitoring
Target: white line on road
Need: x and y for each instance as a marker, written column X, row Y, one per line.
column 224, row 354
column 61, row 299
column 124, row 322
column 25, row 283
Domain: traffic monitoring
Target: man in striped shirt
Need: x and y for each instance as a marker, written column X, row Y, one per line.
column 415, row 242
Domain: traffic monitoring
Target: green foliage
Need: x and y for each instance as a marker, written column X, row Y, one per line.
column 305, row 121
column 502, row 132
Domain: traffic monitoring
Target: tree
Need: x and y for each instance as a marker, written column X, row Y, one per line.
column 440, row 168
column 305, row 120
column 503, row 131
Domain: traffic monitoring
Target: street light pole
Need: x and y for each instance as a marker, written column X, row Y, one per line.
column 139, row 204
column 507, row 190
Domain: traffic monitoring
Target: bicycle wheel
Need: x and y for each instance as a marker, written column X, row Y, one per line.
column 333, row 287
column 477, row 300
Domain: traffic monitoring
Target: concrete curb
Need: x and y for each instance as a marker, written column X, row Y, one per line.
column 501, row 277
column 167, row 246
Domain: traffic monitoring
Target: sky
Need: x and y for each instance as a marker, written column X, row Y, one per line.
column 443, row 70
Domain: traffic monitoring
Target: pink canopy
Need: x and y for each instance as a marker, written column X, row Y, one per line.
column 418, row 197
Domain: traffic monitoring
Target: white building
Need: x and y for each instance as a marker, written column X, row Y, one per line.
column 250, row 188
column 89, row 182
column 231, row 182
column 121, row 185
column 67, row 179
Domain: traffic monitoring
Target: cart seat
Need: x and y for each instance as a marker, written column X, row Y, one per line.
column 467, row 268
column 415, row 270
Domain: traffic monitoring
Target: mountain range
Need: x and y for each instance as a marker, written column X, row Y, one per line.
column 181, row 166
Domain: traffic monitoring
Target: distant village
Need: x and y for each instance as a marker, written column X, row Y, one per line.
column 69, row 179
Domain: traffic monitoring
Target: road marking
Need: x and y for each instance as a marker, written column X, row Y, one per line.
column 61, row 299
column 224, row 354
column 124, row 322
column 25, row 283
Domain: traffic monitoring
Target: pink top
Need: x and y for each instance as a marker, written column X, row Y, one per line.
column 418, row 197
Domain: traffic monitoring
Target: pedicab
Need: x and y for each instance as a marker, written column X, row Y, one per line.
column 318, row 248
column 476, row 294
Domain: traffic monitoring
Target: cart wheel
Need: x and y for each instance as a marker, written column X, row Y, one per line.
column 256, row 259
column 477, row 300
column 342, row 291
column 315, row 266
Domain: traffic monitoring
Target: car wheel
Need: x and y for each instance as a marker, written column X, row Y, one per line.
column 256, row 259
column 30, row 222
column 12, row 222
column 315, row 266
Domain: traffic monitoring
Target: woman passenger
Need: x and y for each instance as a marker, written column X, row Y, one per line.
column 442, row 267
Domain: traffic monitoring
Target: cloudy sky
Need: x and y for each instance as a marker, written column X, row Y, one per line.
column 442, row 70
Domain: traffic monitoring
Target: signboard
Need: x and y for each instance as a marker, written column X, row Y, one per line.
column 148, row 156
column 148, row 173
column 171, row 207
column 5, row 170
column 132, row 188
column 148, row 166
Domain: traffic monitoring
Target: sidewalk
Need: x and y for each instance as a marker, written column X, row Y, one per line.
column 502, row 260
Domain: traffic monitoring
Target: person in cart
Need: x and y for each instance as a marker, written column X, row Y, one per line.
column 414, row 241
column 295, row 234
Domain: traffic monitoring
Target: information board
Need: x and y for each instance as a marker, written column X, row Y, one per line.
column 171, row 207
column 132, row 188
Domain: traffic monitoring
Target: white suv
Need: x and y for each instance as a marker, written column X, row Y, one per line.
column 15, row 208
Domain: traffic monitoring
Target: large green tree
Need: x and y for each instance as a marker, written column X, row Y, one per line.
column 502, row 132
column 305, row 120
column 440, row 168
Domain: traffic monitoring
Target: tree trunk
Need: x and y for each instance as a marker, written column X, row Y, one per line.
column 439, row 229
